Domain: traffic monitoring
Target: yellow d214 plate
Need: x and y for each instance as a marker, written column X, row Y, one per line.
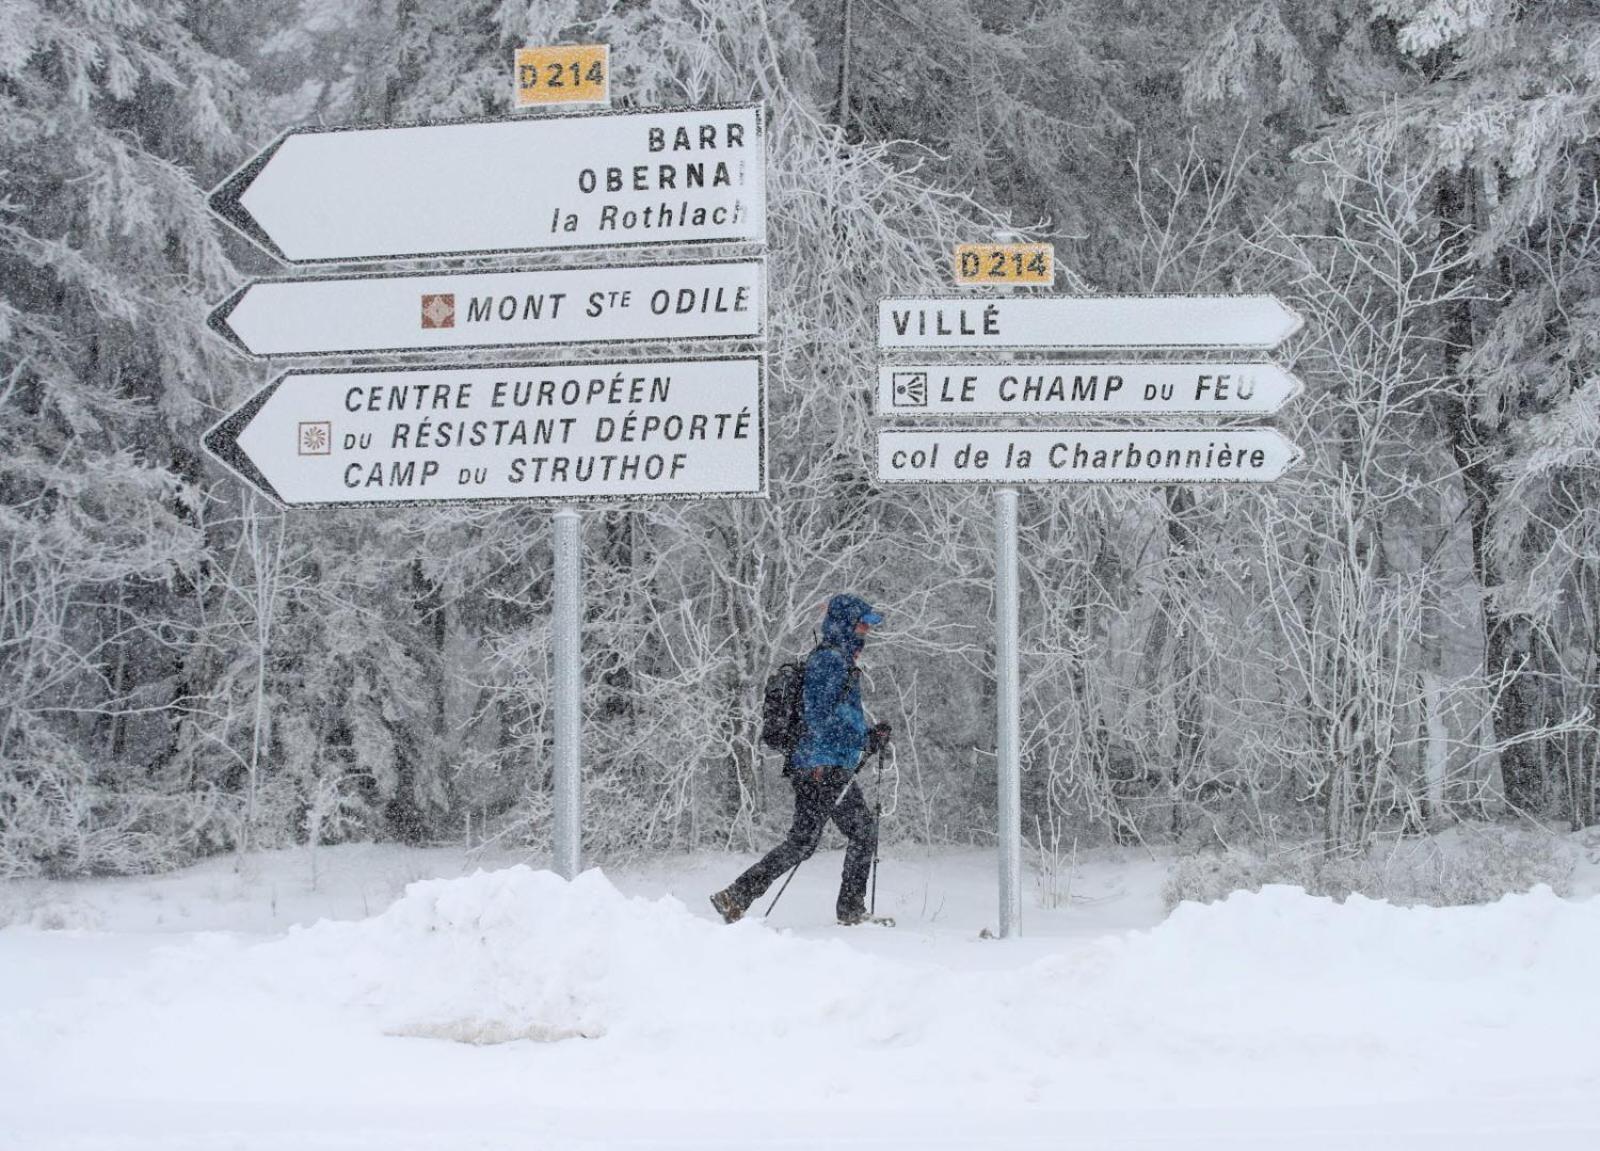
column 1005, row 264
column 563, row 74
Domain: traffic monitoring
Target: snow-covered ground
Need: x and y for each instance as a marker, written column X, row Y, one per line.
column 506, row 1008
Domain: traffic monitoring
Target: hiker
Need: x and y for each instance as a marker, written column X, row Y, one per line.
column 821, row 768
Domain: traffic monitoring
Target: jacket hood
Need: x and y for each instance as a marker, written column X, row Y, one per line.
column 839, row 625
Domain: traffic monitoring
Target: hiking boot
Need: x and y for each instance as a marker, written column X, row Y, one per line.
column 850, row 916
column 728, row 905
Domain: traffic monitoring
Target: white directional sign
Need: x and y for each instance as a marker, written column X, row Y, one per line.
column 1086, row 322
column 309, row 317
column 1148, row 389
column 1059, row 455
column 681, row 428
column 597, row 179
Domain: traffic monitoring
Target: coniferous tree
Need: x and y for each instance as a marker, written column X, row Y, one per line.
column 113, row 115
column 1494, row 106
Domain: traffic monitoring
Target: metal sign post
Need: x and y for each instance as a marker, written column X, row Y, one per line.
column 402, row 435
column 1007, row 656
column 408, row 436
column 566, row 533
column 1006, row 454
column 1008, row 744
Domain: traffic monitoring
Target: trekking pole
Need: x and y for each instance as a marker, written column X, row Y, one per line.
column 788, row 877
column 877, row 831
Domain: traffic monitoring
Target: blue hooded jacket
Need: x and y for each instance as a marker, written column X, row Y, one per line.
column 836, row 727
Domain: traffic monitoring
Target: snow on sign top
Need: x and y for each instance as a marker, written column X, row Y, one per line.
column 1086, row 322
column 578, row 180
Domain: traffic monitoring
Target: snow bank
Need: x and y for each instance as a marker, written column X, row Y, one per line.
column 1393, row 999
column 1274, row 996
column 1386, row 1002
column 522, row 954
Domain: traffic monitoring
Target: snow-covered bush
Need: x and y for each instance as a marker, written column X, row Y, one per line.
column 1468, row 864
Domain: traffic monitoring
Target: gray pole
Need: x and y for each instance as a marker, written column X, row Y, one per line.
column 844, row 69
column 1008, row 697
column 566, row 529
column 1008, row 674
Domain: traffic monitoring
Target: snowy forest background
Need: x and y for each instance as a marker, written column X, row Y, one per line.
column 1402, row 634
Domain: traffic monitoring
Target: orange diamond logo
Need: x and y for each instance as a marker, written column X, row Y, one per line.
column 439, row 310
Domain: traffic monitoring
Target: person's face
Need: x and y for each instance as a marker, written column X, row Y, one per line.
column 862, row 628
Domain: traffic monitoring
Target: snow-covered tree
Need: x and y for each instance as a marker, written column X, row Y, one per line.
column 1492, row 107
column 113, row 115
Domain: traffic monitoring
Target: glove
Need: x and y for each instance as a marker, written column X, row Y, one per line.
column 878, row 737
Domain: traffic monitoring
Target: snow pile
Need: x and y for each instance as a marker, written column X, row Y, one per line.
column 1395, row 1001
column 522, row 954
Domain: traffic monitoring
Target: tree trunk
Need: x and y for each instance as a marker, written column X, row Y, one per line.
column 1505, row 652
column 1188, row 702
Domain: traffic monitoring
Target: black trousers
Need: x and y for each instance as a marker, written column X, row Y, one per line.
column 835, row 796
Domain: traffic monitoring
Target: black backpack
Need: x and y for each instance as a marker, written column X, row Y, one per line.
column 783, row 719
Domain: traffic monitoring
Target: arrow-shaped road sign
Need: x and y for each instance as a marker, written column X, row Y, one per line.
column 682, row 428
column 356, row 314
column 1086, row 322
column 595, row 179
column 1116, row 389
column 1061, row 455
